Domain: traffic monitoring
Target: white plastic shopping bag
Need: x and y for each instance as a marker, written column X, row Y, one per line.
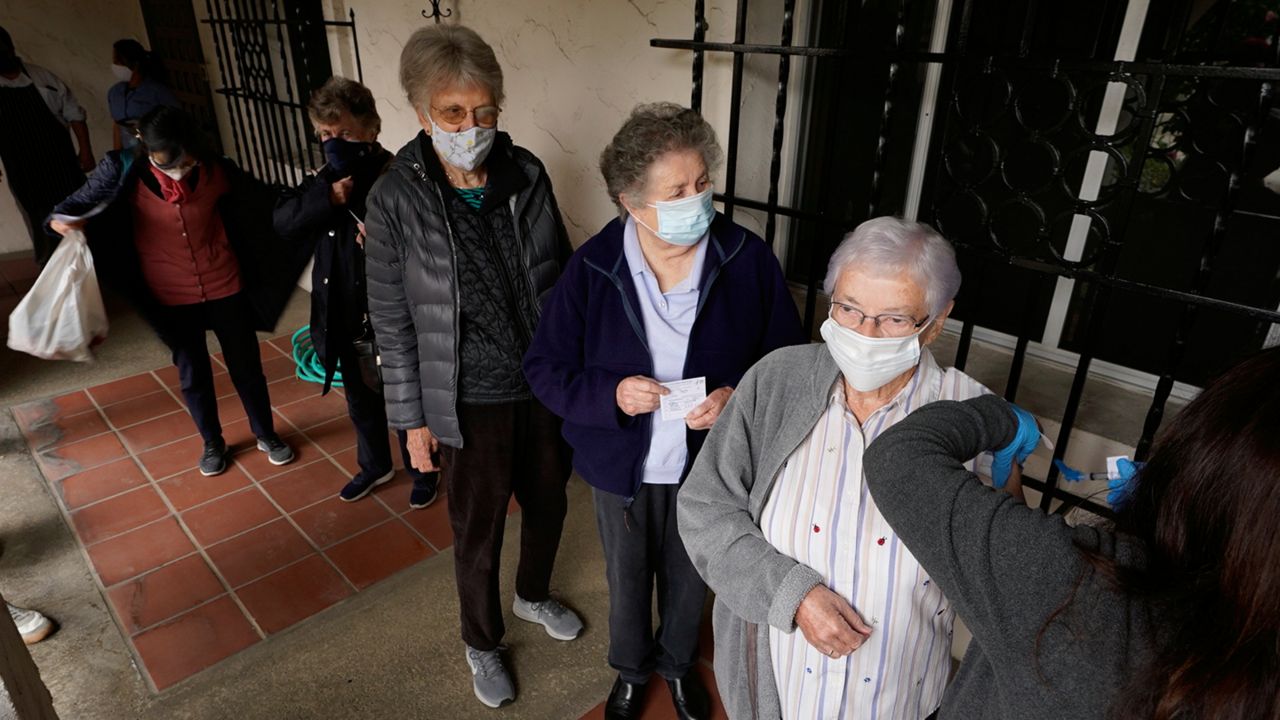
column 62, row 316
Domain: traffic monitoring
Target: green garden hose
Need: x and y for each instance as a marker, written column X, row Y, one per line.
column 309, row 368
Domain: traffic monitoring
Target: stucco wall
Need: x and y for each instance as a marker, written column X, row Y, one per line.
column 73, row 39
column 572, row 70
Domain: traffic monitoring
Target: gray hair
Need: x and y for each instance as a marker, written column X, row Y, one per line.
column 439, row 57
column 896, row 245
column 340, row 94
column 653, row 130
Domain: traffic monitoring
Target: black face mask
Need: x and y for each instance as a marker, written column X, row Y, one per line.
column 10, row 64
column 345, row 156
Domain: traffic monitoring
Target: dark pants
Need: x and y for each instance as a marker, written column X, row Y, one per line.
column 642, row 543
column 368, row 412
column 509, row 448
column 182, row 328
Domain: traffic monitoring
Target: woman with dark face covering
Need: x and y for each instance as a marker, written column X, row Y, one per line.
column 329, row 207
column 186, row 236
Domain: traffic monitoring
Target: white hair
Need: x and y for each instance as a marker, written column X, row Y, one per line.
column 896, row 245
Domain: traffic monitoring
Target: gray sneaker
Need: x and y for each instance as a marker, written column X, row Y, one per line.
column 560, row 622
column 32, row 626
column 489, row 677
column 277, row 452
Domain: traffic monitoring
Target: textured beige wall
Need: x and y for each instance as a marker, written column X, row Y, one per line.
column 573, row 70
column 73, row 39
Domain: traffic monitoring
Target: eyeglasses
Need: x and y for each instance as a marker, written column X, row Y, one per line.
column 486, row 115
column 892, row 324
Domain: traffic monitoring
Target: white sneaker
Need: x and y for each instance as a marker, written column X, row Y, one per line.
column 489, row 677
column 559, row 621
column 32, row 626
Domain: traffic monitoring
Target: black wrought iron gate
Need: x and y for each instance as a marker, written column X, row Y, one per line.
column 271, row 54
column 1047, row 164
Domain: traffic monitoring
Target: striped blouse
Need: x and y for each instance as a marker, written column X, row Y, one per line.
column 819, row 512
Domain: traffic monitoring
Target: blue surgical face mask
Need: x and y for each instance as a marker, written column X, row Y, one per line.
column 464, row 150
column 683, row 221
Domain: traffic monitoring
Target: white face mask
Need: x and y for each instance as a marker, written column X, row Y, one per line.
column 869, row 363
column 176, row 173
column 122, row 73
column 464, row 150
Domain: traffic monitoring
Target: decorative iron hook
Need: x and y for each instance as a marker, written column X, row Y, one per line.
column 435, row 11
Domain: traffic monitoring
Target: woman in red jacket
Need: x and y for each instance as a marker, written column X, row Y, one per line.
column 182, row 236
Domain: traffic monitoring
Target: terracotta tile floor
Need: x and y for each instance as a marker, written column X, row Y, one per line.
column 196, row 569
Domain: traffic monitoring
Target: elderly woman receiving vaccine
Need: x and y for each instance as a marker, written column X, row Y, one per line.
column 776, row 514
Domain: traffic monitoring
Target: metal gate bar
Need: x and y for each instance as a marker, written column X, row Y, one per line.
column 266, row 112
column 1099, row 273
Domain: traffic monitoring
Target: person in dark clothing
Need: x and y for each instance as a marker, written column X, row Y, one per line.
column 187, row 238
column 329, row 206
column 140, row 90
column 668, row 291
column 1170, row 613
column 41, row 163
column 464, row 241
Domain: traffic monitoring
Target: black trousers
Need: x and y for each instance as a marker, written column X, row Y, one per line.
column 642, row 544
column 183, row 327
column 510, row 448
column 368, row 412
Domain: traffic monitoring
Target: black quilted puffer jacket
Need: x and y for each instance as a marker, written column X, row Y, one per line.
column 415, row 293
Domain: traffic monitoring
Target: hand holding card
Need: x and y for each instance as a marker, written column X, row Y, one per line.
column 685, row 395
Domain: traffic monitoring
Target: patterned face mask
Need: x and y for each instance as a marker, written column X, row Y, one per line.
column 464, row 150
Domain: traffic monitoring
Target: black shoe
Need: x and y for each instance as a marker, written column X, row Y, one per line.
column 690, row 698
column 625, row 700
column 425, row 488
column 277, row 452
column 213, row 461
column 361, row 485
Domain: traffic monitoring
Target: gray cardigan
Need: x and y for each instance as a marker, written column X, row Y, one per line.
column 769, row 415
column 1006, row 569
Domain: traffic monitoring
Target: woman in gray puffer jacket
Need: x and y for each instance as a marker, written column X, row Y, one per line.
column 464, row 241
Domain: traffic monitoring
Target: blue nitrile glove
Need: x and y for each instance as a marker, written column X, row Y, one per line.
column 1122, row 486
column 1024, row 443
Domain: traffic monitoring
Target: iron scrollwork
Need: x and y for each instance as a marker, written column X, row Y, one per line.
column 436, row 13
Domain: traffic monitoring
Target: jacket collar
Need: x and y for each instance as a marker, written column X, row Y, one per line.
column 506, row 176
column 606, row 255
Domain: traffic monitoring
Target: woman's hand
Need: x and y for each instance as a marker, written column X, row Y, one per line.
column 63, row 228
column 638, row 395
column 360, row 234
column 830, row 624
column 340, row 191
column 708, row 411
column 423, row 447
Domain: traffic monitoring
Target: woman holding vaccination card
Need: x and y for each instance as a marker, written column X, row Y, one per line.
column 663, row 310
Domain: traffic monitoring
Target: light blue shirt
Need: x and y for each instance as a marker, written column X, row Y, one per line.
column 668, row 320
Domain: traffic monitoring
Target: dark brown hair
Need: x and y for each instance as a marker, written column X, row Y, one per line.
column 339, row 94
column 173, row 132
column 1205, row 507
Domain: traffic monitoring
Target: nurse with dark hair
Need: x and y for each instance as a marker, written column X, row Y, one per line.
column 186, row 235
column 1170, row 613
